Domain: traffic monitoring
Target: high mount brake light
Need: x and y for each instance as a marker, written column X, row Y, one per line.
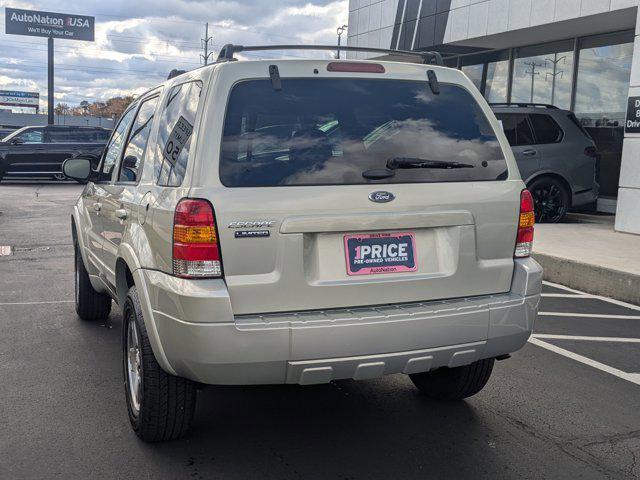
column 526, row 221
column 355, row 67
column 196, row 252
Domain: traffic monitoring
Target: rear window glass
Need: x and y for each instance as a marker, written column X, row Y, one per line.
column 331, row 131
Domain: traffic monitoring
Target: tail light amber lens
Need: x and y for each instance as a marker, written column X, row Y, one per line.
column 196, row 251
column 524, row 241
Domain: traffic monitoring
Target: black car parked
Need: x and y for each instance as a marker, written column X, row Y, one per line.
column 38, row 152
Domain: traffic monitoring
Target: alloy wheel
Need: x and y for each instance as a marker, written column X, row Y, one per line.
column 549, row 201
column 133, row 365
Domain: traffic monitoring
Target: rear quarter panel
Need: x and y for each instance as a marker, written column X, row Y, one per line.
column 567, row 158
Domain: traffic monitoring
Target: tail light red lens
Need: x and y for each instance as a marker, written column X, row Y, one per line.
column 196, row 251
column 524, row 241
column 355, row 67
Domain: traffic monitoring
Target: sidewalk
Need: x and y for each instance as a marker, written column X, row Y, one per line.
column 587, row 254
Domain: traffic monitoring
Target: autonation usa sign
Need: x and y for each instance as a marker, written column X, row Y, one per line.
column 11, row 98
column 49, row 24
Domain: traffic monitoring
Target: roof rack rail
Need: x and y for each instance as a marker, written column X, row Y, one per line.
column 227, row 52
column 523, row 104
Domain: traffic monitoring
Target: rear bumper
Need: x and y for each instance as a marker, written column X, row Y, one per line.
column 195, row 335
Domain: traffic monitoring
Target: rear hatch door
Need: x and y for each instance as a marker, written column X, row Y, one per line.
column 348, row 190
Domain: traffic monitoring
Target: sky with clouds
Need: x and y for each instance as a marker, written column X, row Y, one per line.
column 139, row 41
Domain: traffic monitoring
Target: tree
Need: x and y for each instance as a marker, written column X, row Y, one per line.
column 113, row 107
column 62, row 109
column 84, row 106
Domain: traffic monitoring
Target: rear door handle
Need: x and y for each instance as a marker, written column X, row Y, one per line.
column 530, row 153
column 121, row 213
column 97, row 206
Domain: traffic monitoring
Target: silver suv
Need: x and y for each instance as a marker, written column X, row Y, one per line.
column 302, row 221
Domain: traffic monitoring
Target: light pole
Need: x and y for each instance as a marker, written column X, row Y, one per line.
column 533, row 74
column 340, row 32
column 555, row 73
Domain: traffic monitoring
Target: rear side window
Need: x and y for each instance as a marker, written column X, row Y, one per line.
column 331, row 131
column 137, row 142
column 77, row 135
column 59, row 135
column 102, row 135
column 64, row 135
column 516, row 128
column 546, row 129
column 177, row 119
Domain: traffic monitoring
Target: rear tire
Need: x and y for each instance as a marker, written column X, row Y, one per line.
column 551, row 199
column 451, row 384
column 90, row 304
column 160, row 405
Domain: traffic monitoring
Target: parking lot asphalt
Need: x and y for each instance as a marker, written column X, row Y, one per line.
column 565, row 406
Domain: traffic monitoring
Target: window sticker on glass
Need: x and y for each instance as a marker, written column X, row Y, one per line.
column 177, row 140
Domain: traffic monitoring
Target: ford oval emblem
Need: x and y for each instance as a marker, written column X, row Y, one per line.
column 381, row 197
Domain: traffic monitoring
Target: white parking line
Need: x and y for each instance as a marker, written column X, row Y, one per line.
column 604, row 299
column 562, row 287
column 566, row 295
column 629, row 377
column 585, row 338
column 588, row 315
column 35, row 303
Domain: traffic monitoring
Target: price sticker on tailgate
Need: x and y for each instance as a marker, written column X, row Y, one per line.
column 375, row 253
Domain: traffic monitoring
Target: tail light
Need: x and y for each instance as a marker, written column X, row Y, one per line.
column 524, row 241
column 591, row 151
column 196, row 252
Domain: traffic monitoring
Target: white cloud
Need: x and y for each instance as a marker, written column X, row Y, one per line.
column 139, row 42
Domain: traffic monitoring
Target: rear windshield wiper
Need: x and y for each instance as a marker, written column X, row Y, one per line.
column 411, row 162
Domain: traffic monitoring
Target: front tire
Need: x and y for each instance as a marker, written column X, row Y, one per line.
column 160, row 405
column 90, row 304
column 451, row 384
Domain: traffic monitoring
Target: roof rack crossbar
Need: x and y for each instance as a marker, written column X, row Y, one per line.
column 227, row 52
column 522, row 104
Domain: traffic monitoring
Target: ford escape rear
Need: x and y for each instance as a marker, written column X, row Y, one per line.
column 300, row 221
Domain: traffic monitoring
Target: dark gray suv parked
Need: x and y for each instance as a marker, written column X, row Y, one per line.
column 556, row 157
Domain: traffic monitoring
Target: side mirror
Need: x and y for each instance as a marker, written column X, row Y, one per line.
column 77, row 169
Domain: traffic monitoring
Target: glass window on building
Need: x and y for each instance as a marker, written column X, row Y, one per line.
column 490, row 73
column 604, row 71
column 496, row 84
column 543, row 74
column 474, row 72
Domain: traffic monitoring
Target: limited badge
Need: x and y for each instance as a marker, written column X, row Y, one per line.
column 251, row 233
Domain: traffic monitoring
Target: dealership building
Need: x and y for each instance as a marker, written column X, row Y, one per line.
column 575, row 54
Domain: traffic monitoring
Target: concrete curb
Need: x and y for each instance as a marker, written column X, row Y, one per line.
column 589, row 278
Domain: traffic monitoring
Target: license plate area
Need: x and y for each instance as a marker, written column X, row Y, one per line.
column 379, row 253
